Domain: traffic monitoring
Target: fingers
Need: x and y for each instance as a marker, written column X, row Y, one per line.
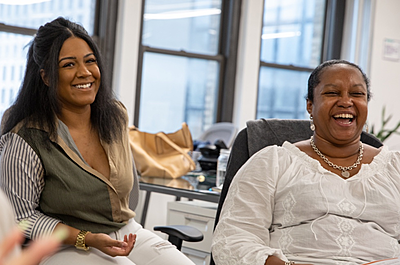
column 15, row 238
column 130, row 238
column 111, row 246
column 37, row 250
column 129, row 242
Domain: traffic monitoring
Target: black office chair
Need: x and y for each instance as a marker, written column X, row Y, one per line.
column 264, row 132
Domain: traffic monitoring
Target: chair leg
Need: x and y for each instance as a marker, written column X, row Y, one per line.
column 145, row 208
column 175, row 241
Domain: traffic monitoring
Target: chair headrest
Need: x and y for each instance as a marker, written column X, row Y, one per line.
column 264, row 132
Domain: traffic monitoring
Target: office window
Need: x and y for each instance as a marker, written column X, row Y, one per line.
column 181, row 61
column 33, row 14
column 19, row 23
column 292, row 45
column 3, row 95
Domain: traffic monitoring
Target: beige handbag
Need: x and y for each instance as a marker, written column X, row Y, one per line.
column 161, row 154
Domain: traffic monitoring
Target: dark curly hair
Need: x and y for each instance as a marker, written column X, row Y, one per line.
column 315, row 76
column 38, row 103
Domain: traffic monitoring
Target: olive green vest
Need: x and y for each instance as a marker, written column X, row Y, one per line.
column 72, row 194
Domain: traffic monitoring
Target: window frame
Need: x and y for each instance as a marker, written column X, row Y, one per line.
column 226, row 57
column 104, row 32
column 331, row 40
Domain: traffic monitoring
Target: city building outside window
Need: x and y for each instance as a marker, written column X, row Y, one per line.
column 296, row 37
column 291, row 45
column 180, row 69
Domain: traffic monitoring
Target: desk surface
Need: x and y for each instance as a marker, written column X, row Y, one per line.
column 193, row 186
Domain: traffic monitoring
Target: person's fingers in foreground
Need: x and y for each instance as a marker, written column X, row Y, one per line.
column 39, row 249
column 13, row 239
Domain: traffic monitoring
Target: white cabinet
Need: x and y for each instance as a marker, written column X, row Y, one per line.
column 198, row 214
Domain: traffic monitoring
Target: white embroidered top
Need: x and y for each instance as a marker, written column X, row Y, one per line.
column 284, row 203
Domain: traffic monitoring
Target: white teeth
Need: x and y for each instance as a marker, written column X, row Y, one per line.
column 344, row 116
column 83, row 86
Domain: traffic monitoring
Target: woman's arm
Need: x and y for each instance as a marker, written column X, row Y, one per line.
column 21, row 178
column 242, row 235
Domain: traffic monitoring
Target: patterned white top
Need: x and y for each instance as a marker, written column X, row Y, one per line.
column 283, row 202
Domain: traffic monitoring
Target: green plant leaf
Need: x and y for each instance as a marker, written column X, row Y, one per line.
column 383, row 133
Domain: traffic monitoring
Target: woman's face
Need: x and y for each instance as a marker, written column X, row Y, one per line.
column 340, row 106
column 78, row 74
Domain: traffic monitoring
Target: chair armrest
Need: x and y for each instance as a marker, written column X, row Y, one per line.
column 184, row 232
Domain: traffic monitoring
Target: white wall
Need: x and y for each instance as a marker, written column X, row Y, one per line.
column 384, row 73
column 248, row 63
column 127, row 52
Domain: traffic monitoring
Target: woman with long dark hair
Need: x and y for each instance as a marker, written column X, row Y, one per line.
column 65, row 156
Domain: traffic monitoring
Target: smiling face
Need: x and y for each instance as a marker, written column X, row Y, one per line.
column 78, row 74
column 340, row 105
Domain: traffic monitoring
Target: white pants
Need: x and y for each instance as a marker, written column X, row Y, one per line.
column 149, row 249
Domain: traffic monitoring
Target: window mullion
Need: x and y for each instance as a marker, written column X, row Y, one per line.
column 217, row 57
column 229, row 43
column 286, row 67
column 333, row 30
column 17, row 30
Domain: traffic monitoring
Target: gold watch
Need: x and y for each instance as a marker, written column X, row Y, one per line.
column 80, row 240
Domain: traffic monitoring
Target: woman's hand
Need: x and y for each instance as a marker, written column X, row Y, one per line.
column 272, row 260
column 101, row 241
column 110, row 246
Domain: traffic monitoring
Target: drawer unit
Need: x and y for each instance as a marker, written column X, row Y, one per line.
column 198, row 214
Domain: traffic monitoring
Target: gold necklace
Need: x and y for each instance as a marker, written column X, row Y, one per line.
column 345, row 170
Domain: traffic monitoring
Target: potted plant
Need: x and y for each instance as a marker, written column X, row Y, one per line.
column 384, row 133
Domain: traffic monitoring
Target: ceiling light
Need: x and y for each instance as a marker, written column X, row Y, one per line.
column 22, row 2
column 183, row 14
column 281, row 35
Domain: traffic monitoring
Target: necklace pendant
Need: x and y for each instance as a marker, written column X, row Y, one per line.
column 345, row 174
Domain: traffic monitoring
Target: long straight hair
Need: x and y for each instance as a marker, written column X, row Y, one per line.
column 38, row 103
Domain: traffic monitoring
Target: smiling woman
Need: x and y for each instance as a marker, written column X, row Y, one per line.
column 339, row 103
column 78, row 73
column 66, row 161
column 326, row 200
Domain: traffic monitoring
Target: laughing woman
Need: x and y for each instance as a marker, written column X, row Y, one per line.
column 66, row 160
column 329, row 200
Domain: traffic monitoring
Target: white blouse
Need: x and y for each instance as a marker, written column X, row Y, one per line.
column 282, row 202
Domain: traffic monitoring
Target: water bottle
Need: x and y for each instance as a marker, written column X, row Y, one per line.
column 221, row 166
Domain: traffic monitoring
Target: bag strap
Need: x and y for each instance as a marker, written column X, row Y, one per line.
column 176, row 147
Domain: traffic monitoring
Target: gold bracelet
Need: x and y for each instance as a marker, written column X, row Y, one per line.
column 80, row 240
